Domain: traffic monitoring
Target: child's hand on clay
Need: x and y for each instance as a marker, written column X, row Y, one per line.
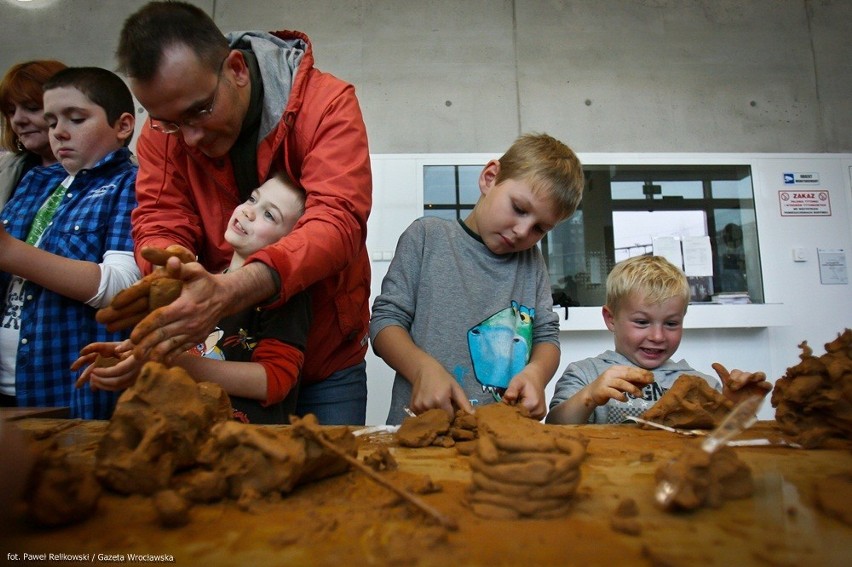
column 155, row 290
column 617, row 381
column 524, row 389
column 111, row 366
column 738, row 385
column 433, row 387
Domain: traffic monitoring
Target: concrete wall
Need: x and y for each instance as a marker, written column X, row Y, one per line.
column 603, row 75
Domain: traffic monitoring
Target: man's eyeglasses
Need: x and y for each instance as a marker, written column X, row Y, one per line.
column 195, row 117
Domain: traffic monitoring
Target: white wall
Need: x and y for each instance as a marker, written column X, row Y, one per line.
column 811, row 311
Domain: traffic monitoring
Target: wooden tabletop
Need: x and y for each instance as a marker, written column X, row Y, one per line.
column 11, row 414
column 349, row 520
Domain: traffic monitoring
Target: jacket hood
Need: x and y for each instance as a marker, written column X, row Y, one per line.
column 278, row 57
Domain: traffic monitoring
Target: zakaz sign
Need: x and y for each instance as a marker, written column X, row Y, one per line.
column 804, row 203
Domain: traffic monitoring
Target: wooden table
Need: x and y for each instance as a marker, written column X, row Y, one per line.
column 11, row 414
column 349, row 520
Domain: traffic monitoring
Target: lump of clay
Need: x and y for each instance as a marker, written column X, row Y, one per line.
column 691, row 403
column 61, row 489
column 434, row 427
column 463, row 427
column 381, row 460
column 200, row 485
column 163, row 292
column 131, row 305
column 157, row 427
column 172, row 509
column 174, row 440
column 813, row 400
column 703, row 479
column 522, row 468
column 625, row 519
column 258, row 461
column 424, row 429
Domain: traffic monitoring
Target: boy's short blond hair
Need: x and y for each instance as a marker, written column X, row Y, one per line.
column 654, row 277
column 547, row 165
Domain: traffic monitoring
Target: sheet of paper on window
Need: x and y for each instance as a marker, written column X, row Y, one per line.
column 596, row 275
column 697, row 256
column 669, row 248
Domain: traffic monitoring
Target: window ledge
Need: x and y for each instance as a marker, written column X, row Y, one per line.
column 699, row 316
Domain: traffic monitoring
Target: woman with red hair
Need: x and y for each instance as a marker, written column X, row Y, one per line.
column 24, row 130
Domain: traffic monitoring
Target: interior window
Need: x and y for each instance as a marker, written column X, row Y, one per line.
column 699, row 216
column 450, row 191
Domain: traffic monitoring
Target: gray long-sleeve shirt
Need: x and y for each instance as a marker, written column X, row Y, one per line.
column 580, row 374
column 477, row 313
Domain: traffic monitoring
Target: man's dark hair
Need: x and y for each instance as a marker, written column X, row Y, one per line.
column 102, row 87
column 158, row 26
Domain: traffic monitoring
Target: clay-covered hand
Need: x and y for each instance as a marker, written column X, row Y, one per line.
column 617, row 381
column 155, row 290
column 433, row 387
column 109, row 366
column 525, row 390
column 738, row 385
column 160, row 256
column 171, row 330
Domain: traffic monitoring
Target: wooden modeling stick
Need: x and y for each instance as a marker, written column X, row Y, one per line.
column 304, row 427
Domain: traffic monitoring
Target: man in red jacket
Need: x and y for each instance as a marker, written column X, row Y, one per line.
column 225, row 114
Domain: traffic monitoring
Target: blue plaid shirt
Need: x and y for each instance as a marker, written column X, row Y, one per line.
column 93, row 217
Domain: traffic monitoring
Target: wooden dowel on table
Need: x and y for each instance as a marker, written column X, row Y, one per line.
column 318, row 436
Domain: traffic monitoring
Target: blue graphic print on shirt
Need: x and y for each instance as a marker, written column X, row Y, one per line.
column 500, row 346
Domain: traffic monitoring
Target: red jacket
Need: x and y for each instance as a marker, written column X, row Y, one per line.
column 187, row 198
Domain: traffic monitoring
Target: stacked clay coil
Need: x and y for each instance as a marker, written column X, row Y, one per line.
column 522, row 468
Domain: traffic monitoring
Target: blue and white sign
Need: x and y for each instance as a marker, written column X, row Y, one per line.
column 801, row 179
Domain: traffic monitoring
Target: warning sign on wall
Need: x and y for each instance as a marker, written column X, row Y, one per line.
column 804, row 203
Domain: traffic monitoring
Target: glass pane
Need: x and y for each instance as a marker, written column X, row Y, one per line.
column 634, row 231
column 737, row 262
column 731, row 189
column 627, row 190
column 566, row 261
column 439, row 184
column 469, row 183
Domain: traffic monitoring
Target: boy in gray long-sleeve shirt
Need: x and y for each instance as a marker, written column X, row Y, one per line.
column 465, row 315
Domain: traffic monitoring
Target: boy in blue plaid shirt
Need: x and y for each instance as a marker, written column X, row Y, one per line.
column 65, row 244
